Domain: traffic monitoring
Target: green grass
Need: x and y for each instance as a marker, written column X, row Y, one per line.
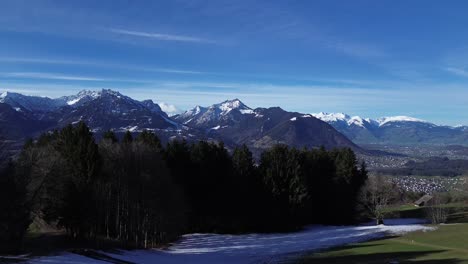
column 458, row 212
column 448, row 244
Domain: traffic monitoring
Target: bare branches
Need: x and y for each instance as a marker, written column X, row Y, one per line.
column 376, row 196
column 436, row 213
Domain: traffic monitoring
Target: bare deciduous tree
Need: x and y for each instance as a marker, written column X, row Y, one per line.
column 376, row 196
column 435, row 212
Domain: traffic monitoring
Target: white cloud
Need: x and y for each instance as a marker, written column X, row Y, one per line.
column 64, row 77
column 159, row 36
column 51, row 76
column 458, row 71
column 96, row 64
column 169, row 108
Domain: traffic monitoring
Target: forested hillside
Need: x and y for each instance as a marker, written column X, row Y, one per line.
column 138, row 193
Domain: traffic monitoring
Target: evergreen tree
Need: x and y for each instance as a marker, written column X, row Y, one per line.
column 110, row 135
column 127, row 138
column 14, row 209
column 150, row 139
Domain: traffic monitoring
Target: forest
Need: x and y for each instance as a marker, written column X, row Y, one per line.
column 136, row 192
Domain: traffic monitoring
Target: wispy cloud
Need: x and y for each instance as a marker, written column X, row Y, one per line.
column 65, row 77
column 97, row 64
column 458, row 71
column 49, row 76
column 159, row 36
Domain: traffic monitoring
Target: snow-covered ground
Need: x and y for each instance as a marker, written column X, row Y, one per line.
column 251, row 248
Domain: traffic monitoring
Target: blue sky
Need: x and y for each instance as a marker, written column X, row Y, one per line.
column 368, row 58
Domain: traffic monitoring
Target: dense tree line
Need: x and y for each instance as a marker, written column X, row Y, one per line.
column 139, row 193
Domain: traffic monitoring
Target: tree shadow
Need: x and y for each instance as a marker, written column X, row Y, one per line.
column 100, row 256
column 378, row 258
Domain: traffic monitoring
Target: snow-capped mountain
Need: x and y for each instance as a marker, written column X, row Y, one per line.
column 363, row 122
column 235, row 123
column 107, row 109
column 80, row 98
column 230, row 121
column 101, row 110
column 30, row 103
column 343, row 119
column 227, row 111
column 399, row 130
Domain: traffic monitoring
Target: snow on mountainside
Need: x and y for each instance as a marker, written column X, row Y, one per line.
column 384, row 120
column 260, row 128
column 341, row 118
column 101, row 110
column 229, row 110
column 356, row 120
column 80, row 98
column 107, row 109
column 45, row 104
column 30, row 103
column 230, row 121
column 398, row 130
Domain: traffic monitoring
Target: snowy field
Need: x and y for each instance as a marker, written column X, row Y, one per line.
column 251, row 248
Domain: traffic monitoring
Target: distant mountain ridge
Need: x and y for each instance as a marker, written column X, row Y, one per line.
column 235, row 123
column 230, row 121
column 396, row 130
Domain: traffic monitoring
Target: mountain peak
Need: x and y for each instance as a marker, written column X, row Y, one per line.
column 229, row 105
column 83, row 95
column 110, row 92
column 357, row 120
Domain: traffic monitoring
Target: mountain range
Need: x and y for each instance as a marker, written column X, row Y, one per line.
column 231, row 121
column 395, row 130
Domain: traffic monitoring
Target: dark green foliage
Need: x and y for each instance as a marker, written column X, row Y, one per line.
column 75, row 207
column 140, row 204
column 14, row 210
column 127, row 138
column 140, row 194
column 149, row 139
column 311, row 186
column 110, row 136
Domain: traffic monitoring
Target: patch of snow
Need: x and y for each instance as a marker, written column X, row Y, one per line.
column 293, row 119
column 356, row 120
column 384, row 120
column 246, row 111
column 331, row 117
column 188, row 121
column 17, row 109
column 74, row 101
column 216, row 127
column 132, row 129
column 229, row 105
column 252, row 248
column 197, row 110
